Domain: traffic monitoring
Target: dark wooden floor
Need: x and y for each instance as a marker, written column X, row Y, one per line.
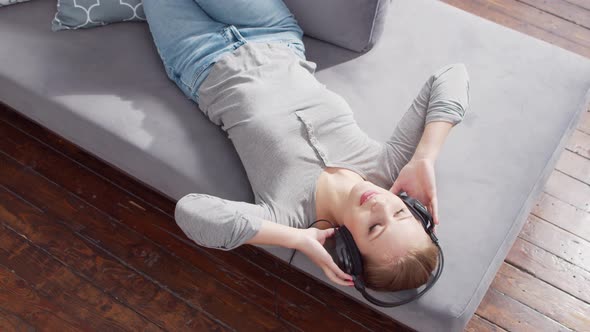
column 83, row 247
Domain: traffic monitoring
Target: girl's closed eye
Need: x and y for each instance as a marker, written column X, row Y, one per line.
column 371, row 228
column 375, row 225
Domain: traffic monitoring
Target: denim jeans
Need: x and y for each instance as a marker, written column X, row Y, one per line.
column 191, row 35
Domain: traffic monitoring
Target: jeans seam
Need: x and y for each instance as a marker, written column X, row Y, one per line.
column 197, row 74
column 192, row 87
column 201, row 69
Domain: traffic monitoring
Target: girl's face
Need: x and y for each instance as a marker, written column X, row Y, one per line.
column 382, row 225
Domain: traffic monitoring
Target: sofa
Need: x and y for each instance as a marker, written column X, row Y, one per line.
column 106, row 90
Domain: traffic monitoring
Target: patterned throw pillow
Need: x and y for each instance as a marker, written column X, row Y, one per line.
column 76, row 14
column 10, row 2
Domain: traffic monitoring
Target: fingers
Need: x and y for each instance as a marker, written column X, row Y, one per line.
column 434, row 206
column 396, row 187
column 338, row 272
column 333, row 272
column 326, row 233
column 336, row 279
column 433, row 214
column 322, row 258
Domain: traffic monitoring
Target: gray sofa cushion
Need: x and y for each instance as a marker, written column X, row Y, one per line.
column 353, row 24
column 526, row 96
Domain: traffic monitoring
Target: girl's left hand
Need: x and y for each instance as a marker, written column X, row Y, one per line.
column 417, row 179
column 311, row 241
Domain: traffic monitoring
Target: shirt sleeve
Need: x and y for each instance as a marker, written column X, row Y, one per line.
column 447, row 93
column 444, row 97
column 218, row 223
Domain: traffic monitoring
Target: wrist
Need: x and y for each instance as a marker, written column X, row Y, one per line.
column 424, row 158
column 274, row 234
column 296, row 241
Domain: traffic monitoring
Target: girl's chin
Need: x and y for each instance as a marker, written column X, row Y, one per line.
column 363, row 186
column 356, row 191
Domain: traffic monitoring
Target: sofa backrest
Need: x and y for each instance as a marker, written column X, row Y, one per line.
column 353, row 24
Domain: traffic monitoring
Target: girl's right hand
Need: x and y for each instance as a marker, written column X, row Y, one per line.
column 311, row 243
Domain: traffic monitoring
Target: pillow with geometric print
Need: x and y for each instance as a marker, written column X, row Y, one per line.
column 10, row 2
column 77, row 14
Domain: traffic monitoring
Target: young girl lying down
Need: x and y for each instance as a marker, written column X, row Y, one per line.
column 243, row 63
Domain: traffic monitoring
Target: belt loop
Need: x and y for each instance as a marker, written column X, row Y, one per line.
column 227, row 35
column 237, row 34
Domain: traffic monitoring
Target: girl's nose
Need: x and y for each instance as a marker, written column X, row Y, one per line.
column 379, row 204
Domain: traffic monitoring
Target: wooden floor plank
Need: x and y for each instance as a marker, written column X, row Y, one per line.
column 557, row 241
column 585, row 4
column 84, row 305
column 579, row 143
column 543, row 20
column 95, row 265
column 13, row 323
column 142, row 256
column 143, row 220
column 513, row 315
column 534, row 293
column 584, row 124
column 20, row 299
column 564, row 10
column 575, row 166
column 551, row 269
column 535, row 26
column 478, row 324
column 569, row 190
column 563, row 215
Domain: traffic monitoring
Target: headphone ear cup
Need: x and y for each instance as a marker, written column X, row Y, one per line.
column 337, row 248
column 355, row 258
column 331, row 246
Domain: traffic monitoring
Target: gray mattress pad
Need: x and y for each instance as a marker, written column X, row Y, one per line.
column 105, row 89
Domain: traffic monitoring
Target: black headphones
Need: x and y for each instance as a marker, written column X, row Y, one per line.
column 346, row 255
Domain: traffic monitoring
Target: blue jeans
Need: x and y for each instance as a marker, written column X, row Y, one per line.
column 191, row 35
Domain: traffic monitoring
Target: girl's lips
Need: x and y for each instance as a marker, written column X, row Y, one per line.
column 366, row 195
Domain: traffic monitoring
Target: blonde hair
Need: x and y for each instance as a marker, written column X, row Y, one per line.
column 409, row 271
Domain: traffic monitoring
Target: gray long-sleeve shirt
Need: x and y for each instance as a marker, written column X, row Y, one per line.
column 287, row 127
